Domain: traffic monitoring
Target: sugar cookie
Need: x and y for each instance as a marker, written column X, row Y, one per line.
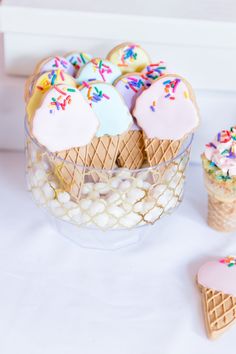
column 42, row 84
column 110, row 108
column 64, row 120
column 98, row 70
column 129, row 57
column 217, row 282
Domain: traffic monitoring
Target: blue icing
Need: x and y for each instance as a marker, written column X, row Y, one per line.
column 98, row 70
column 114, row 116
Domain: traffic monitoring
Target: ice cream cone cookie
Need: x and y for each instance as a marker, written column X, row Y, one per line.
column 131, row 150
column 64, row 120
column 78, row 59
column 55, row 63
column 42, row 84
column 153, row 71
column 219, row 164
column 98, row 70
column 167, row 113
column 217, row 283
column 129, row 57
column 114, row 118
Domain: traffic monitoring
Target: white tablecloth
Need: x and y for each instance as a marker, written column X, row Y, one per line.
column 58, row 298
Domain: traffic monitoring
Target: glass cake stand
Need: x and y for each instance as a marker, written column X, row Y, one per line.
column 104, row 209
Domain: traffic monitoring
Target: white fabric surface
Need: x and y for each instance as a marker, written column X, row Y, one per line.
column 56, row 297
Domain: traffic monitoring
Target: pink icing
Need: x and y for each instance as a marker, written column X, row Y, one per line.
column 218, row 276
column 64, row 120
column 222, row 151
column 165, row 110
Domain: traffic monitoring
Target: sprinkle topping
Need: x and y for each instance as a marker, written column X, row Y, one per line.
column 154, row 71
column 79, row 60
column 49, row 81
column 101, row 67
column 170, row 87
column 230, row 261
column 94, row 95
column 58, row 61
column 62, row 100
column 129, row 55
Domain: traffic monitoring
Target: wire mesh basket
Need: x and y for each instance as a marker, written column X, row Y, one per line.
column 86, row 201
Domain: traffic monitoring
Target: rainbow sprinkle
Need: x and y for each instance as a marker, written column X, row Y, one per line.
column 170, row 88
column 128, row 54
column 58, row 61
column 78, row 61
column 152, row 107
column 101, row 68
column 133, row 83
column 48, row 82
column 60, row 102
column 230, row 261
column 224, row 136
column 154, row 71
column 94, row 95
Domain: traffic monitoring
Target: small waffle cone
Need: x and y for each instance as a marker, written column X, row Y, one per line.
column 131, row 150
column 221, row 215
column 221, row 204
column 159, row 151
column 102, row 152
column 70, row 165
column 219, row 311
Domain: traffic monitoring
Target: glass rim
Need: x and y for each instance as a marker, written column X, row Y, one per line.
column 190, row 136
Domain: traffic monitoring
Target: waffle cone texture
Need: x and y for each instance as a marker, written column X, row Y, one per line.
column 221, row 205
column 219, row 311
column 131, row 150
column 70, row 165
column 159, row 151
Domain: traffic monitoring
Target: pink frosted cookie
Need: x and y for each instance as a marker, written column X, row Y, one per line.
column 217, row 282
column 167, row 109
column 64, row 120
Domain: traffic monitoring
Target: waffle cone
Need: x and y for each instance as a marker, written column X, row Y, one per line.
column 219, row 311
column 69, row 167
column 221, row 215
column 102, row 152
column 131, row 150
column 159, row 151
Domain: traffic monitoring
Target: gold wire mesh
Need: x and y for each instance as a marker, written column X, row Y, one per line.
column 118, row 198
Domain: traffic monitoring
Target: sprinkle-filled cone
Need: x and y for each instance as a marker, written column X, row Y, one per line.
column 159, row 151
column 219, row 311
column 221, row 204
column 131, row 150
column 69, row 167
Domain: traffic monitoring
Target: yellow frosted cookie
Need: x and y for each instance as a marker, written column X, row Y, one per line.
column 129, row 57
column 42, row 84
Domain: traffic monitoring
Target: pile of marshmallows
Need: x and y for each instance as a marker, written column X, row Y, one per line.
column 72, row 100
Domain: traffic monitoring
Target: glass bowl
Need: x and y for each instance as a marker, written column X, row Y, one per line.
column 99, row 208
